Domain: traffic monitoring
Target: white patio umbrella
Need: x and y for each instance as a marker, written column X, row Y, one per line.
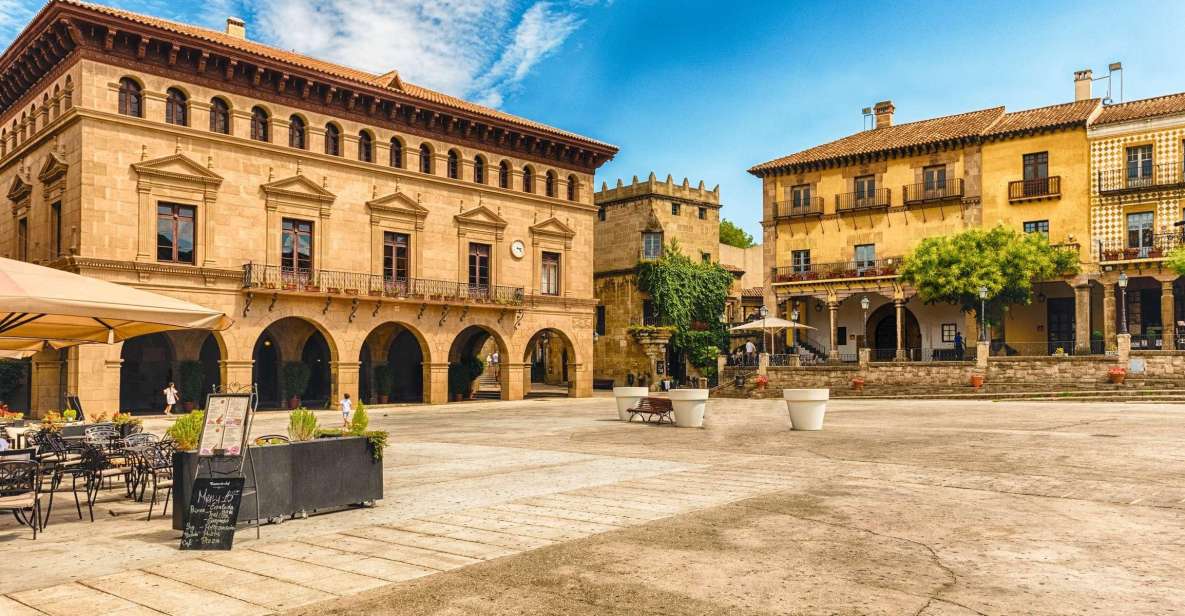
column 41, row 307
column 768, row 324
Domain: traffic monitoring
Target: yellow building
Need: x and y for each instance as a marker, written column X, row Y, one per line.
column 839, row 217
column 370, row 229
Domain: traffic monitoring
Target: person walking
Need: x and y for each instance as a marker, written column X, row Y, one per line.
column 170, row 393
column 959, row 345
column 347, row 407
column 497, row 368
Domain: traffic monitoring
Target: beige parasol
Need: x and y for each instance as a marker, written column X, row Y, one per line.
column 42, row 307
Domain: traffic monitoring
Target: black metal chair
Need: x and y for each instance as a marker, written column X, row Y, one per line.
column 157, row 469
column 96, row 466
column 20, row 492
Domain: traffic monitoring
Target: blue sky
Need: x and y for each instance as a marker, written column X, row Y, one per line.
column 705, row 89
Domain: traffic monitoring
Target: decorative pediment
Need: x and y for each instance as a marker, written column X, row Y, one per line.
column 177, row 169
column 300, row 191
column 54, row 167
column 390, row 80
column 481, row 218
column 398, row 207
column 552, row 228
column 19, row 190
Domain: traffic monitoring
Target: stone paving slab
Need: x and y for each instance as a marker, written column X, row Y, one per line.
column 343, row 553
column 263, row 590
column 10, row 607
column 172, row 597
column 74, row 598
column 318, row 577
column 376, row 542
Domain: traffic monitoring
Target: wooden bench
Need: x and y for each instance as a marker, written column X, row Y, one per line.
column 650, row 408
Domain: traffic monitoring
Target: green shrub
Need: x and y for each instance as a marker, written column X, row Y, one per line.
column 296, row 378
column 376, row 439
column 359, row 421
column 302, row 425
column 70, row 414
column 193, row 374
column 187, row 430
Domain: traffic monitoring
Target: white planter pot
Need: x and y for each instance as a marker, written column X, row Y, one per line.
column 806, row 407
column 689, row 405
column 627, row 398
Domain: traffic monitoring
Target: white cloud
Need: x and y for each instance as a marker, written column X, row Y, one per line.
column 14, row 15
column 479, row 49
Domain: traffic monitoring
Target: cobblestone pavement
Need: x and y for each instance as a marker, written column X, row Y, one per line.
column 553, row 506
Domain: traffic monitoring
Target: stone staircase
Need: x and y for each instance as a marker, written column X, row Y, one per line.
column 1133, row 390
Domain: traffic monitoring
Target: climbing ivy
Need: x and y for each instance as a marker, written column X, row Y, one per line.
column 689, row 298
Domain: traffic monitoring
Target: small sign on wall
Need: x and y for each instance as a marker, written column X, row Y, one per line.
column 1136, row 365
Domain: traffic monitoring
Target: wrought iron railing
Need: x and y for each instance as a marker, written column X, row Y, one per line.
column 1156, row 247
column 832, row 271
column 1140, row 178
column 922, row 354
column 1038, row 188
column 931, row 192
column 269, row 277
column 798, row 209
column 866, row 200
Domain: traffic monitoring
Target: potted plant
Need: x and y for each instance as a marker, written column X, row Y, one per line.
column 806, row 407
column 383, row 380
column 126, row 423
column 457, row 382
column 1117, row 374
column 688, row 406
column 70, row 415
column 473, row 367
column 977, row 380
column 762, row 381
column 187, row 430
column 192, row 377
column 296, row 381
column 627, row 398
column 857, row 383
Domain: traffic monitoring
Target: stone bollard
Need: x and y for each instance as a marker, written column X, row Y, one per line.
column 763, row 363
column 1125, row 348
column 864, row 356
column 981, row 354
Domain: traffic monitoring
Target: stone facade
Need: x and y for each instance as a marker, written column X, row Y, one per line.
column 664, row 211
column 86, row 180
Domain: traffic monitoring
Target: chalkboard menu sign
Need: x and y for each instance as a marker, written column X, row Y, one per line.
column 213, row 513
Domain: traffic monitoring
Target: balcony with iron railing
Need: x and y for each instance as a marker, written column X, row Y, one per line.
column 1140, row 178
column 804, row 208
column 862, row 201
column 927, row 193
column 815, row 272
column 1157, row 246
column 1035, row 189
column 329, row 282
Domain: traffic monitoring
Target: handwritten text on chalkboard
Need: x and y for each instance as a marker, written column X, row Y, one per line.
column 213, row 513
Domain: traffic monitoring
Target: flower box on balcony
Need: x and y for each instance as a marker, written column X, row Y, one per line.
column 1131, row 253
column 1155, row 253
column 289, row 286
column 333, row 290
column 375, row 293
column 312, row 288
column 1112, row 255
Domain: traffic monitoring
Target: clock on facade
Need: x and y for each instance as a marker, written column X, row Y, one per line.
column 518, row 249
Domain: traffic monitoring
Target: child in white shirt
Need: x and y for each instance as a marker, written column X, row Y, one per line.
column 347, row 410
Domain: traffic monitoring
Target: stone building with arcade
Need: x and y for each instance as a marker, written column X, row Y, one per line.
column 370, row 229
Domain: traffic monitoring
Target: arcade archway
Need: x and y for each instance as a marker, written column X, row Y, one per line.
column 477, row 359
column 882, row 325
column 392, row 364
column 292, row 359
column 548, row 356
column 146, row 370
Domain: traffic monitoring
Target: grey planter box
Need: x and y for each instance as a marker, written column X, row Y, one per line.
column 310, row 476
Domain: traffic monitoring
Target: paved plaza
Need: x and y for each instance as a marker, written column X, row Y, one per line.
column 554, row 507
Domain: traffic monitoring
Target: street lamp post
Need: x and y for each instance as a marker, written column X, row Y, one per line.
column 864, row 303
column 1122, row 302
column 794, row 330
column 983, row 335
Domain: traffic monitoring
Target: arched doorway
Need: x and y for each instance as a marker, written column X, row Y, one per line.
column 548, row 355
column 210, row 358
column 883, row 323
column 470, row 375
column 292, row 359
column 146, row 370
column 393, row 357
column 405, row 360
column 265, row 371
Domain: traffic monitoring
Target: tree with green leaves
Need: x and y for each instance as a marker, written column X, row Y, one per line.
column 952, row 268
column 734, row 236
column 1175, row 260
column 689, row 297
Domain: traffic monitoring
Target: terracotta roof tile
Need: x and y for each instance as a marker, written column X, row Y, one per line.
column 922, row 132
column 1146, row 108
column 1065, row 114
column 344, row 72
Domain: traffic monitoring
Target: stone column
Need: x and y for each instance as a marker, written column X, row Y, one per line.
column 833, row 312
column 1109, row 315
column 899, row 307
column 1168, row 316
column 436, row 383
column 237, row 372
column 343, row 378
column 864, row 357
column 1124, row 342
column 981, row 354
column 721, row 364
column 579, row 381
column 45, row 384
column 1082, row 319
column 763, row 363
column 515, row 380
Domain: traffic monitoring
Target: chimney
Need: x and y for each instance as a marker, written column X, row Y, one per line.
column 1082, row 80
column 884, row 113
column 236, row 27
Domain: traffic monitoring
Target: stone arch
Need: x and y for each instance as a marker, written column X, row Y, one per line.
column 479, row 341
column 295, row 339
column 146, row 368
column 549, row 358
column 403, row 352
column 881, row 331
